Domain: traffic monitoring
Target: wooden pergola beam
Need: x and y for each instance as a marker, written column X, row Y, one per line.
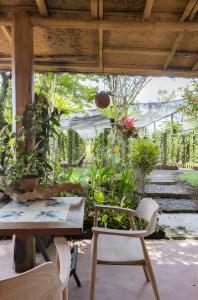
column 108, row 24
column 132, row 70
column 148, row 9
column 6, row 31
column 180, row 35
column 114, row 25
column 42, row 8
column 84, row 59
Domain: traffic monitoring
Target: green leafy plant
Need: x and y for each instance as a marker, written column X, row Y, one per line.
column 144, row 157
column 31, row 147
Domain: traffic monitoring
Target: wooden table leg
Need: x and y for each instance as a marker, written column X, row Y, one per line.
column 24, row 253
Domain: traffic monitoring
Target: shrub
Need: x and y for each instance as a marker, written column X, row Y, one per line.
column 144, row 157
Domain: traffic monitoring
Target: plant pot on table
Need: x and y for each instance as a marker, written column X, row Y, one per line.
column 29, row 183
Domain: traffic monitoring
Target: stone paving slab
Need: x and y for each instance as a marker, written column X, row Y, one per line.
column 162, row 177
column 178, row 226
column 168, row 191
column 177, row 205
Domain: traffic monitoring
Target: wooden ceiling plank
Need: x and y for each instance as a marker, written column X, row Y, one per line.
column 194, row 11
column 7, row 32
column 146, row 51
column 148, row 9
column 42, row 8
column 179, row 37
column 94, row 9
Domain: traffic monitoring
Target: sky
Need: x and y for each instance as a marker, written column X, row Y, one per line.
column 149, row 93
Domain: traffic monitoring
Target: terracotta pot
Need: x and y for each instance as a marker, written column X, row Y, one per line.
column 102, row 100
column 28, row 184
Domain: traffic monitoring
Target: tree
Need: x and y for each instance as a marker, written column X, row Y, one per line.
column 68, row 92
column 124, row 90
column 190, row 95
column 165, row 96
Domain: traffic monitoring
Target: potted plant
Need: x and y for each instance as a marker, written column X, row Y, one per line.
column 29, row 160
column 102, row 100
column 23, row 172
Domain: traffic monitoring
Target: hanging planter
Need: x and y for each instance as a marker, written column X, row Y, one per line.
column 102, row 100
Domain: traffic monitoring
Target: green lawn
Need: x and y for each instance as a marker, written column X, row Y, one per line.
column 78, row 174
column 190, row 177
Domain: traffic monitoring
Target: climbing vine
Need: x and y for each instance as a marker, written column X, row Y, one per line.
column 179, row 148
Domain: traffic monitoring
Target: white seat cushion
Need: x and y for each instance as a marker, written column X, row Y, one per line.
column 119, row 249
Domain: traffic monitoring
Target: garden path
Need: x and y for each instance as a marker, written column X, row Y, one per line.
column 178, row 203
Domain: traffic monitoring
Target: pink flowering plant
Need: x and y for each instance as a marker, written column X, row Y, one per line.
column 190, row 95
column 127, row 127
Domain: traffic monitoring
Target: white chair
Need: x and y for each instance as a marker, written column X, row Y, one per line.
column 107, row 244
column 45, row 282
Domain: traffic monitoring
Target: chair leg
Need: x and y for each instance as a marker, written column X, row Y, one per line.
column 93, row 267
column 150, row 271
column 65, row 294
column 146, row 273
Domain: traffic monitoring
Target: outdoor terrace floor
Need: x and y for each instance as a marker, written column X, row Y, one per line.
column 175, row 264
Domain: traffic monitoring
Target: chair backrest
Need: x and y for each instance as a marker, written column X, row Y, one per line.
column 45, row 282
column 40, row 283
column 148, row 210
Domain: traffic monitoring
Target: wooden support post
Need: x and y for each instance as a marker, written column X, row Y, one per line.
column 24, row 253
column 22, row 90
column 22, row 64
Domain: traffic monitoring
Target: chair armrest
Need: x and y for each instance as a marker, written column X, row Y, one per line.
column 128, row 233
column 122, row 209
column 63, row 259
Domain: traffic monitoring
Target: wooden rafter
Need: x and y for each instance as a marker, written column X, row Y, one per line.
column 174, row 49
column 180, row 35
column 42, row 8
column 188, row 10
column 94, row 9
column 101, row 35
column 195, row 67
column 6, row 31
column 193, row 12
column 148, row 9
